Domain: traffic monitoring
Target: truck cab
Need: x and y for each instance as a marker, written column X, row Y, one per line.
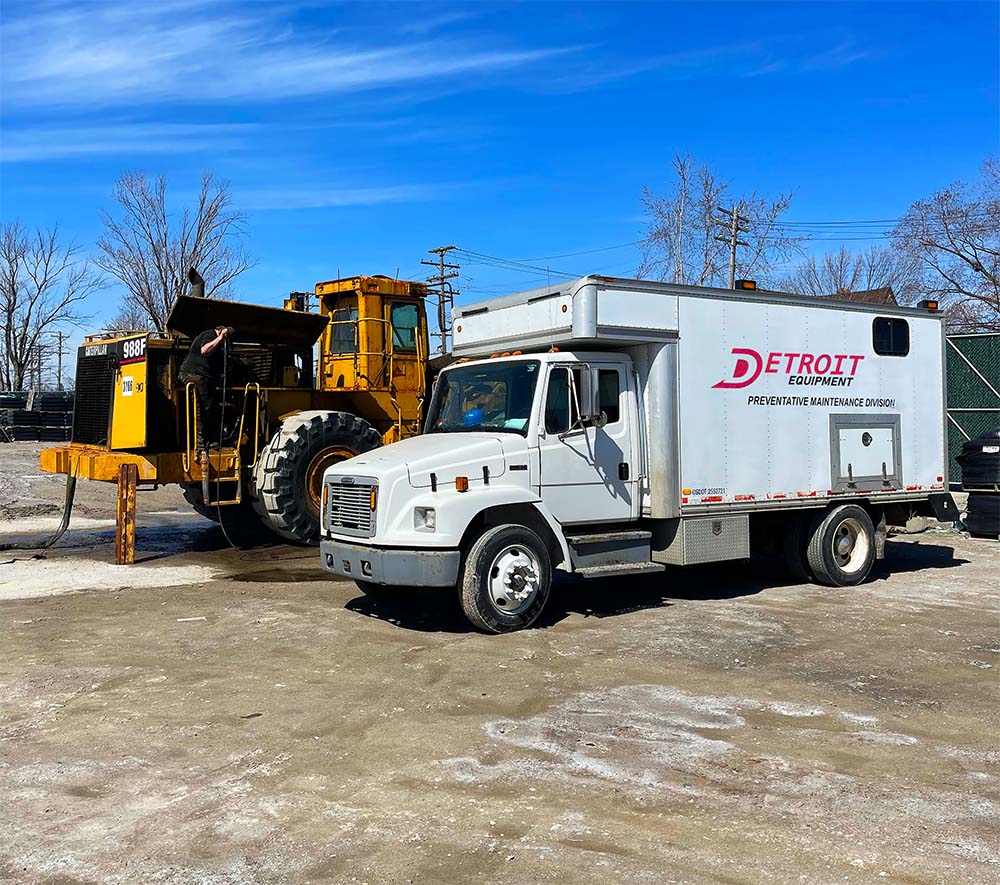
column 548, row 441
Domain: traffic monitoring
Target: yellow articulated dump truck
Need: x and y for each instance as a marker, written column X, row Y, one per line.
column 283, row 419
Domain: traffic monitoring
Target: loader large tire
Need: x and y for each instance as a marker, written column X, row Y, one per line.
column 288, row 477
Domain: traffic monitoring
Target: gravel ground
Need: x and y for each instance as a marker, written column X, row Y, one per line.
column 230, row 716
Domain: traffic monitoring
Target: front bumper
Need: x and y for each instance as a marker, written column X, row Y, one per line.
column 386, row 565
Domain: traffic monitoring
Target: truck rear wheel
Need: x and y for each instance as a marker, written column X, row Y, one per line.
column 506, row 579
column 795, row 542
column 841, row 547
column 288, row 477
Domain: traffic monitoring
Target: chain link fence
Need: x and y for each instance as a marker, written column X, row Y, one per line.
column 973, row 370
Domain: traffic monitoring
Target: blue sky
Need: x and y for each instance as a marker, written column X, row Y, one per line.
column 357, row 136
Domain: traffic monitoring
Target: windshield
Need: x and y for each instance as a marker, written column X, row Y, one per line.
column 492, row 397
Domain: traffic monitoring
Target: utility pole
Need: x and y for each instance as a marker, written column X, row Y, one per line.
column 736, row 225
column 446, row 294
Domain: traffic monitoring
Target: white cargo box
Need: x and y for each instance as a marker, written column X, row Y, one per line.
column 749, row 399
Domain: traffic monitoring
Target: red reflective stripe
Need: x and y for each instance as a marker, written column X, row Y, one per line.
column 713, row 499
column 806, row 494
column 776, row 497
column 744, row 497
column 684, row 500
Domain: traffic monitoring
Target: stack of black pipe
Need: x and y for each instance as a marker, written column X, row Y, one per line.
column 980, row 463
column 50, row 418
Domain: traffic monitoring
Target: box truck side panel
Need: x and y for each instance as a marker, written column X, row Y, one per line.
column 627, row 314
column 789, row 402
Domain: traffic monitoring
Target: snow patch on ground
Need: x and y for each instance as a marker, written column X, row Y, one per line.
column 857, row 719
column 794, row 710
column 28, row 578
column 885, row 737
column 46, row 525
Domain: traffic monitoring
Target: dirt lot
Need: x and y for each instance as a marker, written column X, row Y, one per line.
column 223, row 716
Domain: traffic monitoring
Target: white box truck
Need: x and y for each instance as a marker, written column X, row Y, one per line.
column 611, row 427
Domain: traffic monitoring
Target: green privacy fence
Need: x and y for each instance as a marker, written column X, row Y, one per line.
column 973, row 369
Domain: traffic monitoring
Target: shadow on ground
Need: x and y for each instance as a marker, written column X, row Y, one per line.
column 433, row 610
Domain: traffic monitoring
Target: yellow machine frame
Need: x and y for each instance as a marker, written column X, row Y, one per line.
column 382, row 379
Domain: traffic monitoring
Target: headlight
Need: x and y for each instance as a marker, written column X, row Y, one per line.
column 424, row 519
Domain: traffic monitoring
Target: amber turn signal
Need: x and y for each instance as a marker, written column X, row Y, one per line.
column 461, row 483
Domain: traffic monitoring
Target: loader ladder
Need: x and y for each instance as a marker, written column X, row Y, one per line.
column 234, row 473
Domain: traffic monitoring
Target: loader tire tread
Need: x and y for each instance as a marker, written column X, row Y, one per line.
column 278, row 484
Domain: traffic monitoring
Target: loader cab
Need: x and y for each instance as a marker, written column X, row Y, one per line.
column 376, row 337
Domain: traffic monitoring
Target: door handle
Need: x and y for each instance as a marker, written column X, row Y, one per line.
column 623, row 471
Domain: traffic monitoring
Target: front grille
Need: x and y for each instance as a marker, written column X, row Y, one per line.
column 349, row 509
column 95, row 379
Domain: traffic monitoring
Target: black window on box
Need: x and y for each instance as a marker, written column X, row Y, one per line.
column 891, row 336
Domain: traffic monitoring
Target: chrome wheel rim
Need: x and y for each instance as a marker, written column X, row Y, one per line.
column 514, row 579
column 850, row 545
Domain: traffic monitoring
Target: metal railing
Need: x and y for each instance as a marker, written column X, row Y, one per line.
column 191, row 442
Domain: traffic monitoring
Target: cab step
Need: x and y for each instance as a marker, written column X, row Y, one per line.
column 609, row 548
column 624, row 568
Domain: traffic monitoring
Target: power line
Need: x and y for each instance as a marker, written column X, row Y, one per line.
column 584, row 251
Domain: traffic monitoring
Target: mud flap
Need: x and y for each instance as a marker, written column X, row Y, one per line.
column 943, row 507
column 880, row 532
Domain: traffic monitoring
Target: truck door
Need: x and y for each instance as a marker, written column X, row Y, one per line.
column 588, row 473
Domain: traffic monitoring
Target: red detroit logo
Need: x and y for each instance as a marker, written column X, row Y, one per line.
column 750, row 365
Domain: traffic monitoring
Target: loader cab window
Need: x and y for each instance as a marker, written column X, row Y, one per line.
column 609, row 393
column 891, row 336
column 405, row 320
column 344, row 325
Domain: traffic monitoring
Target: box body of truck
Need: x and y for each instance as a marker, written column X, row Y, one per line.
column 673, row 425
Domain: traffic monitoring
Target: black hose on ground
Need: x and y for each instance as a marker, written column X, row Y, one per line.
column 45, row 543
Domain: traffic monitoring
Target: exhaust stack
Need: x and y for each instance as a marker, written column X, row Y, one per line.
column 197, row 282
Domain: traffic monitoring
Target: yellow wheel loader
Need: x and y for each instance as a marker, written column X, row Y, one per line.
column 284, row 419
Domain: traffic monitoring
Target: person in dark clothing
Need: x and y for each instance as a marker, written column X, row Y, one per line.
column 202, row 367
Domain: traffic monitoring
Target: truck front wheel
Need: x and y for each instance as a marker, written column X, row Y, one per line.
column 506, row 579
column 841, row 547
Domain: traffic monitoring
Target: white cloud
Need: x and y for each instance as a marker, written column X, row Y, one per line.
column 36, row 143
column 114, row 54
column 268, row 199
column 438, row 22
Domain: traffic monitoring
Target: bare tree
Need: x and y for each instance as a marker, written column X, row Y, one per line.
column 955, row 236
column 43, row 284
column 844, row 272
column 130, row 317
column 681, row 243
column 151, row 253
